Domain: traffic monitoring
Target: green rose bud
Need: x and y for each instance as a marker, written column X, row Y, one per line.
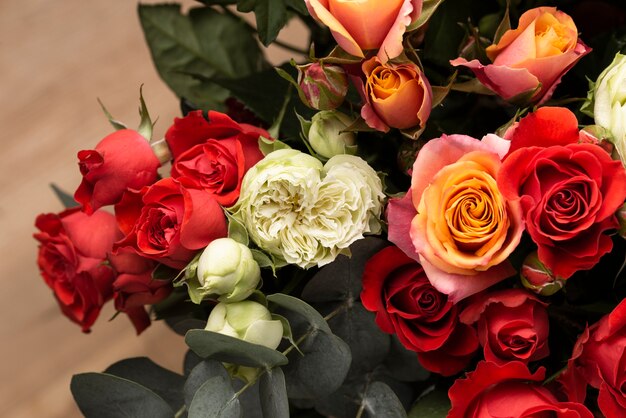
column 323, row 87
column 248, row 321
column 227, row 268
column 609, row 108
column 537, row 277
column 326, row 137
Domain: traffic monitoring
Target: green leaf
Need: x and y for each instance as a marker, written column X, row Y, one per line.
column 299, row 306
column 236, row 230
column 145, row 124
column 271, row 16
column 114, row 122
column 163, row 272
column 428, row 8
column 220, row 347
column 200, row 374
column 321, row 370
column 380, row 401
column 504, row 25
column 434, row 405
column 101, row 395
column 165, row 383
column 440, row 92
column 273, row 394
column 205, row 43
column 67, row 200
column 215, row 399
column 298, row 6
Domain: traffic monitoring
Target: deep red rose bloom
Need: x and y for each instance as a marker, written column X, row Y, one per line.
column 169, row 222
column 396, row 288
column 600, row 357
column 512, row 325
column 509, row 390
column 569, row 191
column 134, row 287
column 120, row 161
column 72, row 253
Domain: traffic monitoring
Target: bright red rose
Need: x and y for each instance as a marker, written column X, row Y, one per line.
column 569, row 191
column 169, row 222
column 600, row 356
column 72, row 253
column 120, row 161
column 512, row 325
column 134, row 287
column 509, row 390
column 396, row 288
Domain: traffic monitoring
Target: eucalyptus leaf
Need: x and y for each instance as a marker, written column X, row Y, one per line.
column 67, row 200
column 220, row 347
column 380, row 401
column 201, row 373
column 433, row 405
column 101, row 395
column 273, row 394
column 215, row 399
column 165, row 383
column 191, row 360
column 403, row 364
column 182, row 325
column 299, row 306
column 321, row 370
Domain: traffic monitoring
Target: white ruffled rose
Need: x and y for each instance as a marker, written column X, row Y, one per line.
column 610, row 102
column 304, row 213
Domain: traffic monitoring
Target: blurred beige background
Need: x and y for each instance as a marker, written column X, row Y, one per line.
column 56, row 58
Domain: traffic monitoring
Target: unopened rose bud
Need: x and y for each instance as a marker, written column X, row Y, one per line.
column 248, row 321
column 323, row 86
column 326, row 136
column 538, row 278
column 227, row 268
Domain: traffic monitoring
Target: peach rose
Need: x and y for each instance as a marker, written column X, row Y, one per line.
column 361, row 25
column 528, row 62
column 395, row 95
column 462, row 230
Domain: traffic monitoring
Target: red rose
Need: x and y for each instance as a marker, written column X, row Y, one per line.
column 72, row 255
column 600, row 356
column 509, row 390
column 169, row 222
column 512, row 325
column 134, row 287
column 396, row 288
column 120, row 161
column 569, row 192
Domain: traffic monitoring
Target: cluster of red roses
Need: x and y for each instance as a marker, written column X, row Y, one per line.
column 569, row 190
column 88, row 256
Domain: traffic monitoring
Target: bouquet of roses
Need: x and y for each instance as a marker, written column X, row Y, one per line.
column 421, row 214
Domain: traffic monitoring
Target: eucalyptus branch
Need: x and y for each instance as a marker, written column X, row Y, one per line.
column 181, row 411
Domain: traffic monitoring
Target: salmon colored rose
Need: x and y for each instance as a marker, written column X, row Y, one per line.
column 362, row 25
column 531, row 59
column 395, row 95
column 569, row 191
column 461, row 227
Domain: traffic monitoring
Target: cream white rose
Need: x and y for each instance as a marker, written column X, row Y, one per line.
column 610, row 102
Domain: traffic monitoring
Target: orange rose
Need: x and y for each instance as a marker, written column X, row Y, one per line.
column 395, row 95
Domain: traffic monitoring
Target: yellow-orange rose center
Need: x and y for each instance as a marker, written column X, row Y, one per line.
column 465, row 216
column 554, row 37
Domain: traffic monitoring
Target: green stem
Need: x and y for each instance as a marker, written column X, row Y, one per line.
column 180, row 412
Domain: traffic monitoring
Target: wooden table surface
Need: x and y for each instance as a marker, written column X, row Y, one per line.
column 56, row 58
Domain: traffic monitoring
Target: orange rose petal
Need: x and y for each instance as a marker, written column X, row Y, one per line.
column 318, row 8
column 520, row 49
column 391, row 46
column 394, row 109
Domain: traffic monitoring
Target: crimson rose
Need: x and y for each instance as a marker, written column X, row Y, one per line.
column 72, row 261
column 569, row 191
column 396, row 288
column 169, row 222
column 512, row 325
column 120, row 161
column 508, row 390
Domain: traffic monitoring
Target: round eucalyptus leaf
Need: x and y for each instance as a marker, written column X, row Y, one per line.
column 200, row 374
column 191, row 360
column 380, row 401
column 207, row 344
column 403, row 364
column 273, row 394
column 435, row 404
column 215, row 399
column 249, row 399
column 321, row 370
column 101, row 395
column 165, row 383
column 299, row 306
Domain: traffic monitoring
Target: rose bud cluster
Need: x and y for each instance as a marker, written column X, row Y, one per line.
column 323, row 86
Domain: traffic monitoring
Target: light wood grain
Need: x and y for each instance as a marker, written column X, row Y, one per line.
column 56, row 58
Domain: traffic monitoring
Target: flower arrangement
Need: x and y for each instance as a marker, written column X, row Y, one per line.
column 423, row 215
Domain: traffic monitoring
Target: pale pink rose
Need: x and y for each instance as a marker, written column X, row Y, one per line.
column 362, row 25
column 530, row 60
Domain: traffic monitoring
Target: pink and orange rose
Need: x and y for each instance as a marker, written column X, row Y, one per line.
column 364, row 25
column 528, row 62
